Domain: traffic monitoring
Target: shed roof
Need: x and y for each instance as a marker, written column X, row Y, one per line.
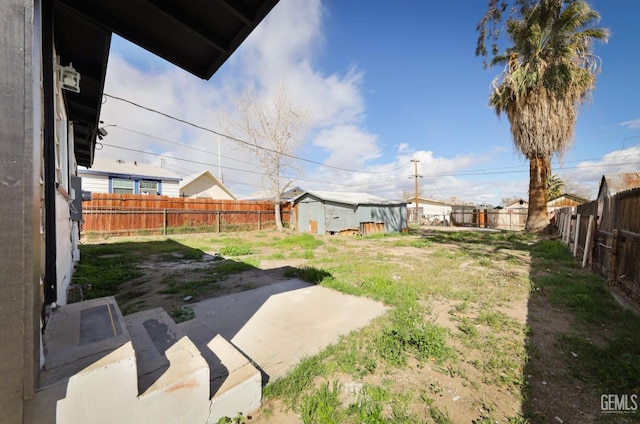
column 349, row 198
column 196, row 35
column 620, row 182
column 129, row 169
column 568, row 196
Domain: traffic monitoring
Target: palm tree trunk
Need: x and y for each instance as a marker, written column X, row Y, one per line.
column 538, row 216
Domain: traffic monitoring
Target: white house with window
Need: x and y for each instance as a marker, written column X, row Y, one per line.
column 121, row 177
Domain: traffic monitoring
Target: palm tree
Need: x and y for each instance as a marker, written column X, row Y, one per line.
column 549, row 72
column 554, row 187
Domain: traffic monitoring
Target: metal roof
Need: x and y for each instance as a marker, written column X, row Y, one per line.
column 621, row 182
column 349, row 198
column 196, row 35
column 129, row 169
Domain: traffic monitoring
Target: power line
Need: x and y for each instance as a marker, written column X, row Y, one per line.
column 262, row 174
column 468, row 173
column 166, row 115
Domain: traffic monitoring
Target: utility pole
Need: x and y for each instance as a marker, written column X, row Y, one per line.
column 416, row 176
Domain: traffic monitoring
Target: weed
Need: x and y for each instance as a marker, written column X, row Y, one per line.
column 291, row 386
column 238, row 419
column 182, row 313
column 438, row 416
column 410, row 333
column 322, row 405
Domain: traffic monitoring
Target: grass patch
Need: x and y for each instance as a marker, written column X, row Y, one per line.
column 308, row 274
column 290, row 387
column 237, row 250
column 103, row 269
column 299, row 241
column 408, row 333
column 322, row 405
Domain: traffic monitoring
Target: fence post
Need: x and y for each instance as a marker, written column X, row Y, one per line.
column 576, row 238
column 567, row 229
column 259, row 220
column 164, row 222
column 587, row 242
column 612, row 262
column 560, row 221
column 218, row 219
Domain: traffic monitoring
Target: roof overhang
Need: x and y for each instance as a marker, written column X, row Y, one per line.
column 196, row 35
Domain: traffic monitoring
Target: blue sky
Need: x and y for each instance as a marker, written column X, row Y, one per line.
column 383, row 85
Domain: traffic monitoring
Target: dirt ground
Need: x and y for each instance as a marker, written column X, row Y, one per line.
column 554, row 394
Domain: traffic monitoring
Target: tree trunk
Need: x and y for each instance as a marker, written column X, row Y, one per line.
column 279, row 226
column 537, row 216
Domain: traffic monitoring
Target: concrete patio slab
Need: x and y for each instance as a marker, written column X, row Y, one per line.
column 276, row 326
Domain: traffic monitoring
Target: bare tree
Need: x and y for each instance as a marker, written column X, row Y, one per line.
column 272, row 129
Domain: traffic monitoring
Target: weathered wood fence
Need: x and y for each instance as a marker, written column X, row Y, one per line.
column 606, row 236
column 126, row 214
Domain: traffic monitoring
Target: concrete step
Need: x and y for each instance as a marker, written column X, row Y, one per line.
column 235, row 385
column 80, row 334
column 79, row 337
column 152, row 333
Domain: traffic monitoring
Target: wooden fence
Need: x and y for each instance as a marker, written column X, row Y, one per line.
column 502, row 219
column 126, row 214
column 606, row 235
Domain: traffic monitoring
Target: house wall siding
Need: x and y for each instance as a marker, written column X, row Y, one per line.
column 95, row 183
column 100, row 184
column 170, row 188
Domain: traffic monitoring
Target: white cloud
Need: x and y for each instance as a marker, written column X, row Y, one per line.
column 349, row 146
column 632, row 125
column 402, row 147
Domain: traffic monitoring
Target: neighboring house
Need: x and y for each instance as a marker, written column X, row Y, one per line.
column 120, row 177
column 267, row 196
column 54, row 57
column 291, row 194
column 323, row 212
column 204, row 185
column 432, row 210
column 565, row 200
column 517, row 205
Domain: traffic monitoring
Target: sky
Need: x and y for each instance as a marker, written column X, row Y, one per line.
column 383, row 83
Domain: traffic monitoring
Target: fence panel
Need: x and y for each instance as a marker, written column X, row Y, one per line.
column 615, row 251
column 135, row 214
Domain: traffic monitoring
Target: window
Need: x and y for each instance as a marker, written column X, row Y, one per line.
column 121, row 186
column 133, row 186
column 149, row 187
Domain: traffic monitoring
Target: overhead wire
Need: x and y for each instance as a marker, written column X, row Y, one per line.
column 477, row 172
column 238, row 140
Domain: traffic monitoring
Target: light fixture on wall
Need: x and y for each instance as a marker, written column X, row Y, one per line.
column 70, row 78
column 102, row 133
